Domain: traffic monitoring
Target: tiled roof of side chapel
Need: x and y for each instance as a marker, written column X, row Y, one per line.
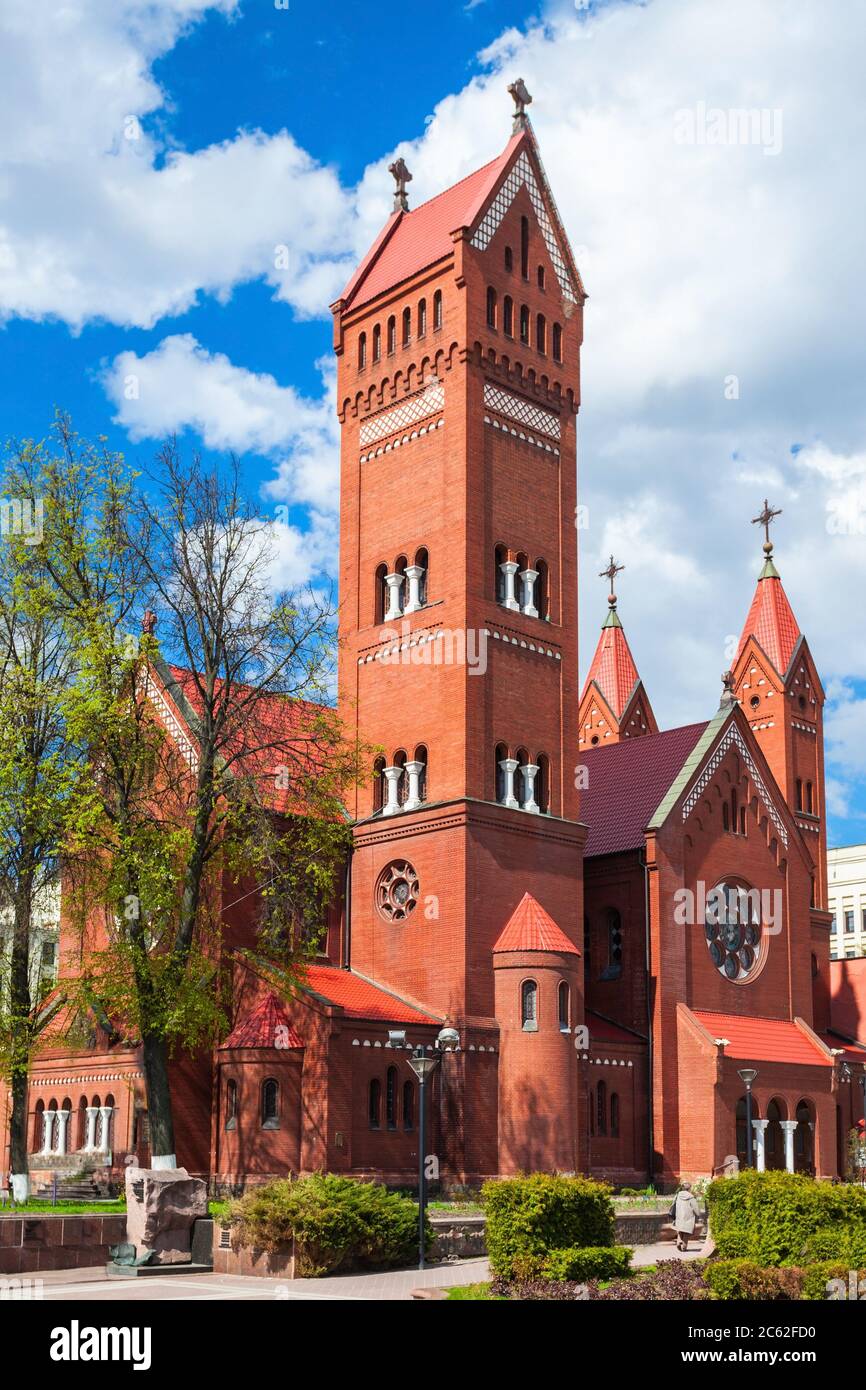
column 530, row 928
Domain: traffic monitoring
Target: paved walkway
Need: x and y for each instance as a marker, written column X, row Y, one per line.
column 92, row 1286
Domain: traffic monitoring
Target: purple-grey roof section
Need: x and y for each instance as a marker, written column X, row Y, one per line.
column 627, row 783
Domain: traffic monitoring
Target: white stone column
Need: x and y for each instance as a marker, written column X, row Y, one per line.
column 90, row 1142
column 529, row 577
column 509, row 569
column 47, row 1130
column 509, row 767
column 530, row 772
column 105, row 1114
column 395, row 586
column 62, row 1126
column 413, row 800
column 413, row 574
column 789, row 1126
column 392, row 779
column 760, row 1128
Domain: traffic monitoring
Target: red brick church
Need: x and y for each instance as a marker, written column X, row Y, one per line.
column 617, row 920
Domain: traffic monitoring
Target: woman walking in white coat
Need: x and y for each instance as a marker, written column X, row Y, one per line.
column 686, row 1212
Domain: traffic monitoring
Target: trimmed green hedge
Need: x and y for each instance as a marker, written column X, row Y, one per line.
column 580, row 1263
column 744, row 1279
column 528, row 1218
column 787, row 1219
column 336, row 1223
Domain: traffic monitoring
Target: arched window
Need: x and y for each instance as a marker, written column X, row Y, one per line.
column 508, row 316
column 524, row 323
column 381, row 606
column 541, row 277
column 491, row 307
column 407, row 327
column 524, row 247
column 522, row 758
column 437, row 310
column 541, row 332
column 408, row 1105
column 500, row 557
column 735, row 820
column 726, row 816
column 378, row 784
column 500, row 755
column 392, row 335
column 421, row 757
column 374, row 1104
column 362, row 350
column 270, row 1104
column 400, row 568
column 614, row 1116
column 601, row 1107
column 799, row 786
column 391, row 1098
column 542, row 783
column 422, row 317
column 564, row 1003
column 542, row 590
column 742, row 820
column 613, row 969
column 231, row 1104
column 529, row 1006
column 810, row 805
column 509, row 259
column 39, row 1127
column 557, row 342
column 377, row 343
column 403, row 782
column 422, row 560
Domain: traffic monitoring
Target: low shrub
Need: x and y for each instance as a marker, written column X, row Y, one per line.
column 743, row 1279
column 778, row 1218
column 589, row 1262
column 336, row 1223
column 818, row 1276
column 528, row 1218
column 673, row 1279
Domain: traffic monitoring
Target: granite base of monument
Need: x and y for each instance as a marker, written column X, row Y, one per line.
column 162, row 1206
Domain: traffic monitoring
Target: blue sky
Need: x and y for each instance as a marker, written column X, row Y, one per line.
column 156, row 154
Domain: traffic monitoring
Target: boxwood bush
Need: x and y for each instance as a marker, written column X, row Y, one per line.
column 336, row 1223
column 744, row 1279
column 786, row 1218
column 580, row 1263
column 528, row 1218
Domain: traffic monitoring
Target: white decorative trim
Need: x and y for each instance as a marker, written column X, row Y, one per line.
column 522, row 173
column 733, row 737
column 406, row 439
column 523, row 411
column 418, row 406
column 173, row 725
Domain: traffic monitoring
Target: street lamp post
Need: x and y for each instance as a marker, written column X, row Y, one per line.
column 424, row 1066
column 747, row 1076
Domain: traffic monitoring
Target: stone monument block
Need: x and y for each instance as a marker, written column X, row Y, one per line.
column 161, row 1206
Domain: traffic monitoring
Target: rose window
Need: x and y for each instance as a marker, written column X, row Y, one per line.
column 397, row 891
column 733, row 928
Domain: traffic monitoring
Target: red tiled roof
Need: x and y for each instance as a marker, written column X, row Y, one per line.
column 772, row 623
column 754, row 1039
column 280, row 724
column 626, row 784
column 530, row 928
column 602, row 1030
column 259, row 1029
column 613, row 668
column 360, row 998
column 423, row 236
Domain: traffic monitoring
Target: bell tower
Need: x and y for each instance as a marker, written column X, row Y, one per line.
column 458, row 342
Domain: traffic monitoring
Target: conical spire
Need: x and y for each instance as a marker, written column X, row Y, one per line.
column 614, row 676
column 770, row 619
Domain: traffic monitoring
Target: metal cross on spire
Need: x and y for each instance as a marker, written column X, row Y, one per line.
column 765, row 519
column 522, row 99
column 610, row 574
column 401, row 178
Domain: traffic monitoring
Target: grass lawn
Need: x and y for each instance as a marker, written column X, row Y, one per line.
column 60, row 1208
column 466, row 1292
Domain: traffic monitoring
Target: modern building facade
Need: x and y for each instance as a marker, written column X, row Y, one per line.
column 846, row 899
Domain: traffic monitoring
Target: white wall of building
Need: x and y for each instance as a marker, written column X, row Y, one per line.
column 846, row 892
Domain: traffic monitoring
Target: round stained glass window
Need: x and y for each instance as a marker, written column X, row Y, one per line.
column 732, row 924
column 397, row 891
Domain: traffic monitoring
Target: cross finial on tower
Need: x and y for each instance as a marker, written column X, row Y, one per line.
column 610, row 574
column 401, row 178
column 765, row 519
column 522, row 99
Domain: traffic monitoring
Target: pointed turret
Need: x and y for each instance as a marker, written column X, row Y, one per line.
column 777, row 683
column 614, row 704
